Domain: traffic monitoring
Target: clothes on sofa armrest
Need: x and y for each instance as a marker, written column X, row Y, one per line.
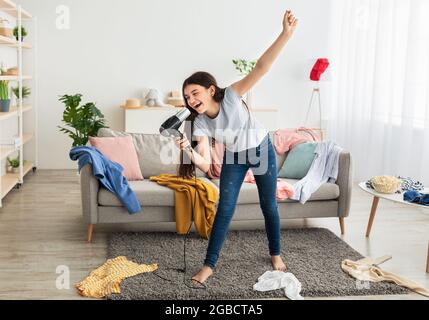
column 109, row 174
column 323, row 169
column 187, row 193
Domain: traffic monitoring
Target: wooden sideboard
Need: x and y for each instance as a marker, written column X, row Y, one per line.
column 148, row 120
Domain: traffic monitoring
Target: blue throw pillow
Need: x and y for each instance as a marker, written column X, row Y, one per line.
column 298, row 161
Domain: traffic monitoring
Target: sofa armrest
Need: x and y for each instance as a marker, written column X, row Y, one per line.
column 345, row 183
column 89, row 186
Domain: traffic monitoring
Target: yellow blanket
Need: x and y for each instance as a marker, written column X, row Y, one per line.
column 188, row 191
column 107, row 278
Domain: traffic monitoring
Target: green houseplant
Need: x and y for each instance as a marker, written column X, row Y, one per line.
column 23, row 33
column 4, row 96
column 13, row 165
column 25, row 92
column 82, row 121
column 245, row 67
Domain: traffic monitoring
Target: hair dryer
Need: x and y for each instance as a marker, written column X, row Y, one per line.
column 170, row 128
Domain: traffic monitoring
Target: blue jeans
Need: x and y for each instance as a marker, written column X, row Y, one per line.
column 235, row 165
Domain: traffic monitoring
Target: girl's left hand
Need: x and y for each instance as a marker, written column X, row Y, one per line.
column 289, row 23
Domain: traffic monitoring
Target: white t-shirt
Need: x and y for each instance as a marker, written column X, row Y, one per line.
column 234, row 126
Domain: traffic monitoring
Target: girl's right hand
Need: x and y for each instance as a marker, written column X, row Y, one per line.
column 182, row 144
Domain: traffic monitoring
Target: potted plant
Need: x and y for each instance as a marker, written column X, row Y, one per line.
column 16, row 34
column 82, row 121
column 25, row 92
column 245, row 67
column 13, row 165
column 4, row 96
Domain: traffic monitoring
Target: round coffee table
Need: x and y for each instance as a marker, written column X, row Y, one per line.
column 396, row 197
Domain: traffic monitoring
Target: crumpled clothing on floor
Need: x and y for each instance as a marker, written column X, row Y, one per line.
column 367, row 269
column 107, row 278
column 273, row 280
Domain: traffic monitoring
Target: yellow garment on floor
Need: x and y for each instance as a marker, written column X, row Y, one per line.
column 107, row 278
column 367, row 270
column 185, row 191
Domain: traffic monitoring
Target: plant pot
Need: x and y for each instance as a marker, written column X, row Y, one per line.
column 4, row 105
column 15, row 170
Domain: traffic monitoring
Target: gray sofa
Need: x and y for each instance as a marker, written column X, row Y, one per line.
column 102, row 207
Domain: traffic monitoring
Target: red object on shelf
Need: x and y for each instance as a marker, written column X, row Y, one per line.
column 319, row 68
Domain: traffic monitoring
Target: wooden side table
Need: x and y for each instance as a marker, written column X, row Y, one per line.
column 396, row 197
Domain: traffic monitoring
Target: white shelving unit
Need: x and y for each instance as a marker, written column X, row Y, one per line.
column 17, row 113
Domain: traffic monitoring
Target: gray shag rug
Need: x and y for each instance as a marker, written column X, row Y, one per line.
column 313, row 255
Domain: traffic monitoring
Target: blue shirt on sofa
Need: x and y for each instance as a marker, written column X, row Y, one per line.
column 109, row 174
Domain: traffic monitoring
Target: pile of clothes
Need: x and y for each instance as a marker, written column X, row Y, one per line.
column 405, row 184
column 408, row 186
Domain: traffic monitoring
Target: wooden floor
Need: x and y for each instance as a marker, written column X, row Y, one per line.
column 41, row 228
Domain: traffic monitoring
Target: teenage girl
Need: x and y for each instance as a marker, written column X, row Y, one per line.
column 219, row 114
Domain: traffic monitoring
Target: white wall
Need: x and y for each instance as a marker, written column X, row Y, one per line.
column 115, row 48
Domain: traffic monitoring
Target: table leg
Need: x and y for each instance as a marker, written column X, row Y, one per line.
column 372, row 215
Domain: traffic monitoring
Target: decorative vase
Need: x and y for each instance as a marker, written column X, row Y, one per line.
column 4, row 105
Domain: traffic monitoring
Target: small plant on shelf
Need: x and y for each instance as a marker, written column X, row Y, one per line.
column 25, row 92
column 23, row 33
column 13, row 165
column 82, row 121
column 4, row 96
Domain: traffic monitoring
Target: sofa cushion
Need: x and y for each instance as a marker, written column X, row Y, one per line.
column 122, row 151
column 156, row 153
column 249, row 192
column 298, row 161
column 151, row 193
column 148, row 192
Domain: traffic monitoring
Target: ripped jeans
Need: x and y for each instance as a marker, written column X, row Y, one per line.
column 235, row 165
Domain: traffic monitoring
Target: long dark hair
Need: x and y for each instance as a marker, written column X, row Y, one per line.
column 206, row 80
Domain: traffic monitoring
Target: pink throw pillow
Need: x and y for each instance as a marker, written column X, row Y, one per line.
column 122, row 151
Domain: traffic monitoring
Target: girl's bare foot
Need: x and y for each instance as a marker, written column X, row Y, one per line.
column 278, row 263
column 202, row 276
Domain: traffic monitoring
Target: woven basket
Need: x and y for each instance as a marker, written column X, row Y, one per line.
column 386, row 184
